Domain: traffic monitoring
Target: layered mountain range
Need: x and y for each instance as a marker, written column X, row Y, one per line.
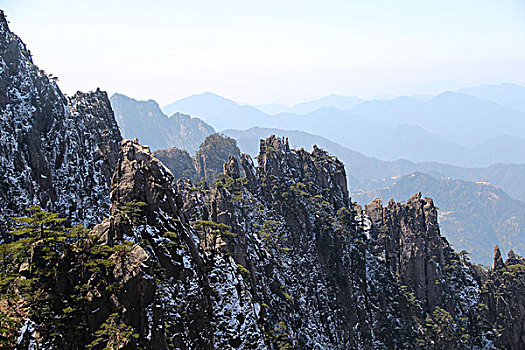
column 272, row 254
column 146, row 121
column 452, row 127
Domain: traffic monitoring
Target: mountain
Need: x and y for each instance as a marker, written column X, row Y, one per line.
column 272, row 108
column 57, row 152
column 248, row 265
column 457, row 117
column 207, row 166
column 501, row 149
column 269, row 256
column 474, row 216
column 368, row 173
column 144, row 120
column 333, row 100
column 507, row 94
column 180, row 163
column 217, row 111
column 402, row 128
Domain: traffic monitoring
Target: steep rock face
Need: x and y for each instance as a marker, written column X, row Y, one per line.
column 55, row 151
column 199, row 294
column 407, row 236
column 212, row 154
column 145, row 120
column 178, row 161
column 277, row 161
column 309, row 269
column 505, row 296
column 473, row 216
column 301, row 250
column 215, row 151
column 279, row 258
column 231, row 269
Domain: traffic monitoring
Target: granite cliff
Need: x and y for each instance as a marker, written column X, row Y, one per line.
column 58, row 152
column 272, row 255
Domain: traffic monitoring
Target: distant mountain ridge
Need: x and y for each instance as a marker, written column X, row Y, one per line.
column 217, row 111
column 146, row 121
column 368, row 173
column 450, row 128
column 333, row 100
column 458, row 117
column 507, row 94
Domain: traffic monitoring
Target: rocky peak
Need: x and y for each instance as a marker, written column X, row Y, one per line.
column 56, row 152
column 498, row 260
column 177, row 259
column 277, row 161
column 231, row 168
column 141, row 177
column 213, row 153
column 408, row 236
column 179, row 162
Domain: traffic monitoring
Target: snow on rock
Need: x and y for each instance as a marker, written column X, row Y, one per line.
column 55, row 151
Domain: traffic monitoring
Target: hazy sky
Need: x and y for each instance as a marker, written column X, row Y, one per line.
column 272, row 51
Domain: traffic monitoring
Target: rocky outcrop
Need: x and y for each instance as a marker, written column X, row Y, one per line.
column 212, row 154
column 276, row 160
column 200, row 295
column 298, row 261
column 55, row 151
column 473, row 216
column 442, row 281
column 408, row 235
column 504, row 287
column 178, row 161
column 498, row 260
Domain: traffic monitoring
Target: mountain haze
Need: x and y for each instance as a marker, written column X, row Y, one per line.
column 450, row 128
column 368, row 173
column 145, row 120
column 507, row 94
column 217, row 111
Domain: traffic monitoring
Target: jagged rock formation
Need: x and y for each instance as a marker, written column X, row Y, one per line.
column 273, row 256
column 55, row 151
column 407, row 236
column 504, row 293
column 199, row 295
column 213, row 153
column 281, row 258
column 310, row 269
column 179, row 162
column 145, row 120
column 208, row 163
column 473, row 216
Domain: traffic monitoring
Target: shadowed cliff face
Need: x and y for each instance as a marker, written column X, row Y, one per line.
column 273, row 256
column 179, row 162
column 280, row 258
column 504, row 293
column 55, row 151
column 212, row 154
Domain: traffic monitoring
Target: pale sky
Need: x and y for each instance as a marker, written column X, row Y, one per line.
column 274, row 50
